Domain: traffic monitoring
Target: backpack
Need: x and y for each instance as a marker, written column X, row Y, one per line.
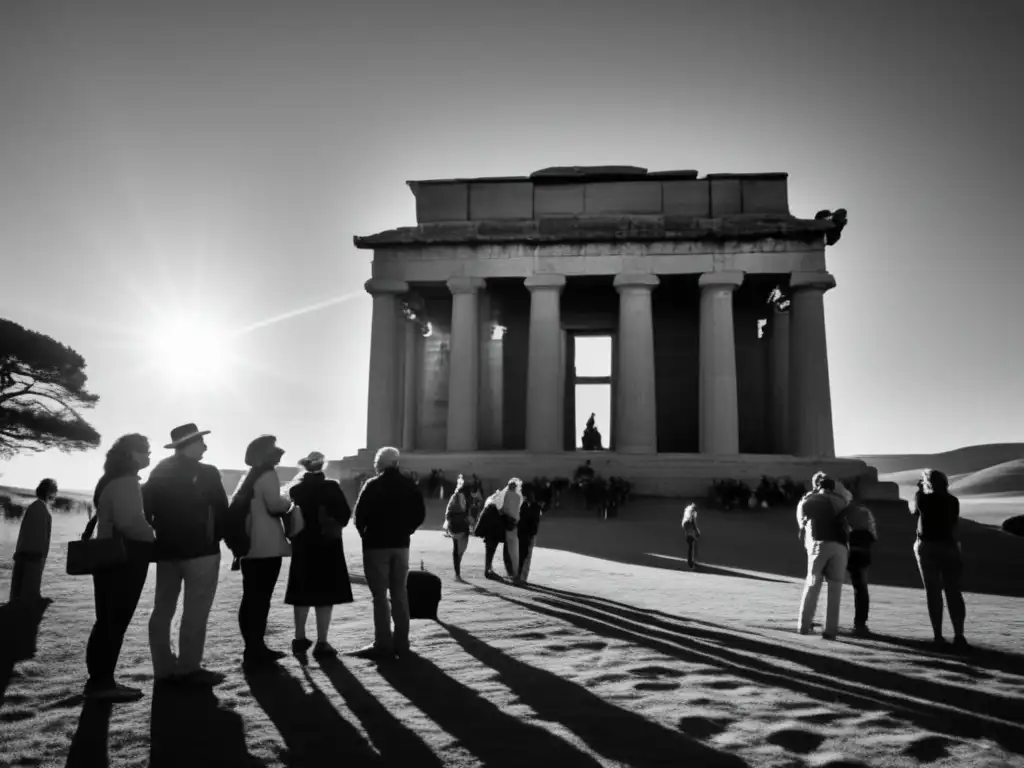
column 234, row 525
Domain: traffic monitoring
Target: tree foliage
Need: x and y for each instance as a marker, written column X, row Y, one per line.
column 42, row 391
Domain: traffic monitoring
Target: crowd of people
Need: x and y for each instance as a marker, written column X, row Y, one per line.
column 181, row 515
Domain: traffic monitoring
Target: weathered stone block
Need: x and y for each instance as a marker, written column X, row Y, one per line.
column 765, row 196
column 622, row 197
column 726, row 197
column 558, row 200
column 687, row 198
column 441, row 202
column 508, row 200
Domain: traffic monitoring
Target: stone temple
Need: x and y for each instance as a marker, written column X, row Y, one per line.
column 712, row 295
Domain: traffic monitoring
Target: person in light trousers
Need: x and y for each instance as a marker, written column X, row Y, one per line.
column 182, row 499
column 388, row 511
column 822, row 531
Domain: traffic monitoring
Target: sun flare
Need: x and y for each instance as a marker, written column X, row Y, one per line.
column 189, row 353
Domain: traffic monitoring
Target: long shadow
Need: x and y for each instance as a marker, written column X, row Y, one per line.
column 499, row 739
column 396, row 743
column 89, row 744
column 20, row 622
column 314, row 731
column 676, row 563
column 188, row 727
column 615, row 733
column 928, row 704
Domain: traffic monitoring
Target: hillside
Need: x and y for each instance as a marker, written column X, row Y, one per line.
column 956, row 462
column 1007, row 477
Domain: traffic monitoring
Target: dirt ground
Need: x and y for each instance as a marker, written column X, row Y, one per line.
column 617, row 656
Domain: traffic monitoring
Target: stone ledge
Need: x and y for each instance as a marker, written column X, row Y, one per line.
column 574, row 229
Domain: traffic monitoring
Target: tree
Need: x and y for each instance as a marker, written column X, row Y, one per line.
column 42, row 390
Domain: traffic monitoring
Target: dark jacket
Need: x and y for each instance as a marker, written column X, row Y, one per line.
column 314, row 493
column 529, row 519
column 389, row 509
column 937, row 516
column 182, row 500
column 817, row 515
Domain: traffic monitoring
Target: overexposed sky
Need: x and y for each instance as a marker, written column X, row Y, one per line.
column 210, row 163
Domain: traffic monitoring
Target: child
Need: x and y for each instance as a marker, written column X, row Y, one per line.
column 691, row 531
column 862, row 534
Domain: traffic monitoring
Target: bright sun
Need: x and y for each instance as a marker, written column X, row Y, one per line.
column 188, row 353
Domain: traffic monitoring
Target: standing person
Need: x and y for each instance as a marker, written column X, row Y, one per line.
column 457, row 524
column 510, row 509
column 33, row 545
column 938, row 554
column 821, row 529
column 318, row 577
column 863, row 534
column 183, row 497
column 692, row 532
column 119, row 512
column 388, row 511
column 268, row 546
column 491, row 528
column 529, row 525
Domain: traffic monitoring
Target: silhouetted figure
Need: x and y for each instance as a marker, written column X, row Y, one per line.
column 822, row 533
column 458, row 521
column 318, row 577
column 529, row 526
column 862, row 535
column 591, row 438
column 692, row 532
column 33, row 544
column 937, row 550
column 491, row 528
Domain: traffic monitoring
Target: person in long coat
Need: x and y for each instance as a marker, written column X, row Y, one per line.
column 33, row 545
column 319, row 575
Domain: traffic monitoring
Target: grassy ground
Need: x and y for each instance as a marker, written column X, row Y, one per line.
column 616, row 657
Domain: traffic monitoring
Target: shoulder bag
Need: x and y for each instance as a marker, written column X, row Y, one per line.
column 89, row 555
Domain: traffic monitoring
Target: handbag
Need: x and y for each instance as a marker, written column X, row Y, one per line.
column 296, row 522
column 89, row 555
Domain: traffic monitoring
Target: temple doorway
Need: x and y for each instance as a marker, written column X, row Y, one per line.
column 592, row 387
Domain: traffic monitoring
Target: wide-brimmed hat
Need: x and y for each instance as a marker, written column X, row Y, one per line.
column 314, row 459
column 186, row 433
column 262, row 450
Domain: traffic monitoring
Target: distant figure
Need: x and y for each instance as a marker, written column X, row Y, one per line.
column 860, row 524
column 268, row 546
column 511, row 505
column 529, row 526
column 318, row 577
column 938, row 554
column 591, row 438
column 119, row 513
column 491, row 528
column 33, row 545
column 183, row 498
column 458, row 521
column 388, row 511
column 821, row 530
column 692, row 532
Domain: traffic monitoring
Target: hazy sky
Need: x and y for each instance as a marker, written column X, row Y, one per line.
column 212, row 161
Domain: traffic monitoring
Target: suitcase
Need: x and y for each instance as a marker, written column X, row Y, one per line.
column 424, row 590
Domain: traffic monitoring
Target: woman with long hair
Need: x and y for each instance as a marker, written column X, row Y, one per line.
column 457, row 524
column 692, row 532
column 33, row 545
column 119, row 513
column 268, row 546
column 318, row 577
column 938, row 554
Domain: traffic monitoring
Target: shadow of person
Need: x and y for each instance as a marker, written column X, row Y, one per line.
column 313, row 730
column 89, row 744
column 188, row 727
column 615, row 733
column 977, row 657
column 497, row 738
column 20, row 622
column 396, row 743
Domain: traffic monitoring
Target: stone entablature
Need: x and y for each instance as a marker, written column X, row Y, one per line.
column 597, row 191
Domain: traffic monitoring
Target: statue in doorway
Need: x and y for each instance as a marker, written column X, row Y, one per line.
column 591, row 436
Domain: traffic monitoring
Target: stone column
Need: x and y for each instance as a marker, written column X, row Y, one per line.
column 410, row 379
column 464, row 371
column 636, row 420
column 382, row 424
column 810, row 395
column 543, row 429
column 779, row 377
column 719, row 410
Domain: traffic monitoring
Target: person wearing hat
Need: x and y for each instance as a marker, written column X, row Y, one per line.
column 182, row 499
column 318, row 577
column 268, row 545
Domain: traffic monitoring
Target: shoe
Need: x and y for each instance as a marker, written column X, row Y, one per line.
column 261, row 657
column 960, row 644
column 802, row 631
column 373, row 652
column 323, row 649
column 940, row 643
column 112, row 693
column 301, row 645
column 202, row 678
column 860, row 630
column 828, row 635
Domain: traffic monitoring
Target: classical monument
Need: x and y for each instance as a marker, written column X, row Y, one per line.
column 712, row 294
